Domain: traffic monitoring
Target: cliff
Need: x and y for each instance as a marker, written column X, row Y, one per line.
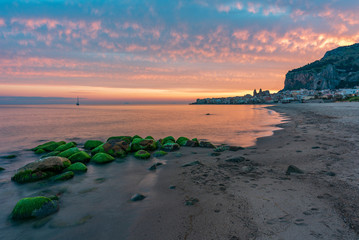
column 339, row 68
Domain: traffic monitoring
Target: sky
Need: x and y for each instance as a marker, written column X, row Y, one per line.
column 163, row 50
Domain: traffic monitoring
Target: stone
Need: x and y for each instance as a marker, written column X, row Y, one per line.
column 235, row 148
column 168, row 139
column 41, row 169
column 63, row 176
column 48, row 147
column 127, row 139
column 137, row 197
column 170, row 146
column 236, row 159
column 293, row 169
column 136, row 136
column 34, row 207
column 182, row 141
column 77, row 167
column 81, row 156
column 142, row 154
column 215, row 154
column 101, row 158
column 2, row 169
column 67, row 153
column 191, row 143
column 50, row 154
column 331, row 174
column 143, row 144
column 155, row 165
column 221, row 149
column 192, row 164
column 247, row 169
column 40, row 151
column 9, row 156
column 149, row 137
column 91, row 144
column 159, row 153
column 191, row 201
column 172, row 187
column 66, row 146
column 205, row 144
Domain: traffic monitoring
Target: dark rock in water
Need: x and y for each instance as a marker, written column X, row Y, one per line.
column 332, row 174
column 192, row 164
column 2, row 169
column 137, row 197
column 205, row 144
column 142, row 154
column 170, row 147
column 236, row 159
column 9, row 156
column 315, row 147
column 34, row 207
column 191, row 201
column 172, row 187
column 168, row 139
column 154, row 166
column 127, row 139
column 215, row 154
column 293, row 169
column 235, row 148
column 221, row 148
column 41, row 169
column 91, row 144
column 159, row 153
column 63, row 176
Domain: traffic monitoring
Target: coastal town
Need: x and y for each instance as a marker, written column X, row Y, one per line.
column 287, row 96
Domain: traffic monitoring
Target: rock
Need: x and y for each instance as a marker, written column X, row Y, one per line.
column 168, row 139
column 127, row 139
column 77, row 167
column 182, row 141
column 191, row 143
column 137, row 197
column 221, row 149
column 247, row 169
column 48, row 147
column 9, row 156
column 91, row 144
column 154, row 166
column 41, row 169
column 2, row 169
column 149, row 137
column 102, row 158
column 40, row 151
column 215, row 154
column 331, row 174
column 142, row 154
column 159, row 153
column 34, row 207
column 192, row 164
column 50, row 154
column 191, row 201
column 170, row 146
column 293, row 169
column 172, row 187
column 136, row 136
column 205, row 144
column 143, row 144
column 63, row 176
column 235, row 159
column 117, row 148
column 67, row 153
column 81, row 156
column 235, row 148
column 66, row 146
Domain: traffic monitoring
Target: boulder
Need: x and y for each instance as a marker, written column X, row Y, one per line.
column 143, row 144
column 91, row 144
column 77, row 167
column 168, row 139
column 48, row 147
column 114, row 147
column 40, row 151
column 136, row 136
column 170, row 146
column 34, row 207
column 67, row 153
column 149, row 137
column 142, row 154
column 293, row 169
column 101, row 158
column 50, row 154
column 221, row 148
column 81, row 156
column 63, row 176
column 205, row 144
column 159, row 153
column 127, row 139
column 137, row 197
column 41, row 169
column 66, row 146
column 182, row 141
column 155, row 165
column 192, row 143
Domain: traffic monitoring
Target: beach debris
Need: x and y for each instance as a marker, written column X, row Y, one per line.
column 77, row 167
column 63, row 176
column 142, row 154
column 44, row 168
column 293, row 169
column 154, row 166
column 82, row 157
column 236, row 159
column 159, row 153
column 172, row 187
column 34, row 207
column 137, row 197
column 101, row 158
column 205, row 144
column 9, row 156
column 192, row 164
column 191, row 201
column 91, row 144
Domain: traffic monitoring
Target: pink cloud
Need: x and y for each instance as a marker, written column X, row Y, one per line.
column 2, row 22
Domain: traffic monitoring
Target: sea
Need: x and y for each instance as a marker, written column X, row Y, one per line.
column 110, row 186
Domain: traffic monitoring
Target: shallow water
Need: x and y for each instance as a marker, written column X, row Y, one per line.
column 93, row 202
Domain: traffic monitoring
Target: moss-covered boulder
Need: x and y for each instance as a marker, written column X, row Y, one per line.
column 40, row 151
column 102, row 158
column 81, row 156
column 142, row 154
column 114, row 147
column 170, row 147
column 91, row 144
column 63, row 176
column 136, row 136
column 66, row 146
column 67, row 153
column 34, row 207
column 168, row 139
column 50, row 154
column 97, row 149
column 149, row 137
column 44, row 168
column 77, row 167
column 127, row 139
column 205, row 144
column 49, row 146
column 182, row 141
column 143, row 144
column 159, row 153
column 192, row 143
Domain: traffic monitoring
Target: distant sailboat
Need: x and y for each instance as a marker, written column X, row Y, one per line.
column 78, row 101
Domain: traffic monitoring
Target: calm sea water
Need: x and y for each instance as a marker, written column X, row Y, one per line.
column 92, row 200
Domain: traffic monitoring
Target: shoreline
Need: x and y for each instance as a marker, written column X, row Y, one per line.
column 253, row 198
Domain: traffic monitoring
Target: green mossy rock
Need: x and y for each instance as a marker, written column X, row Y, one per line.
column 102, row 158
column 182, row 141
column 170, row 147
column 67, row 153
column 30, row 176
column 2, row 169
column 98, row 149
column 9, row 156
column 77, row 167
column 49, row 146
column 117, row 147
column 127, row 139
column 136, row 136
column 91, row 144
column 66, row 146
column 142, row 154
column 50, row 154
column 63, row 176
column 149, row 137
column 168, row 139
column 143, row 144
column 40, row 151
column 81, row 156
column 159, row 153
column 34, row 207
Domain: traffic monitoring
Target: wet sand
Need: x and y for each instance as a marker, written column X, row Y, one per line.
column 246, row 194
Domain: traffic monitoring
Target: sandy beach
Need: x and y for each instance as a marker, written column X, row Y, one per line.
column 246, row 194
